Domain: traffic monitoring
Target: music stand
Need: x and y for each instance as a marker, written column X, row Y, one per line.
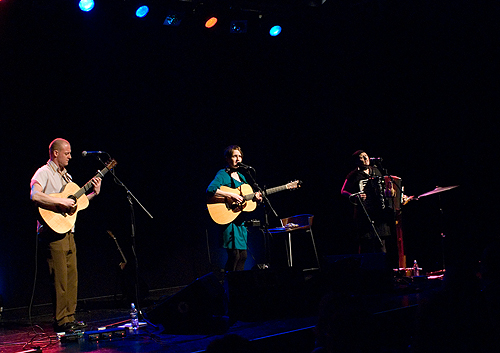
column 438, row 190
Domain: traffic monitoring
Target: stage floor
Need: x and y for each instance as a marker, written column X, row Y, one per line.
column 395, row 310
column 16, row 337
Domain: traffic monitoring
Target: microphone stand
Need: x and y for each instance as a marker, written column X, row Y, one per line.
column 395, row 203
column 369, row 219
column 266, row 218
column 130, row 198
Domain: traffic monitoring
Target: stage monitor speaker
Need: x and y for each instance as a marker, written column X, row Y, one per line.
column 265, row 294
column 197, row 308
column 357, row 273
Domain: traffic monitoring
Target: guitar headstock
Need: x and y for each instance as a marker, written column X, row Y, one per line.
column 294, row 185
column 111, row 164
column 111, row 234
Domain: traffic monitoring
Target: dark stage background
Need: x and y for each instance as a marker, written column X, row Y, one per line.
column 414, row 82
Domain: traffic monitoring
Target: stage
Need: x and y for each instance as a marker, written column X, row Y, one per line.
column 284, row 322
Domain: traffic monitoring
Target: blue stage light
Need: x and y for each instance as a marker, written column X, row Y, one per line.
column 275, row 30
column 142, row 11
column 238, row 26
column 174, row 18
column 86, row 5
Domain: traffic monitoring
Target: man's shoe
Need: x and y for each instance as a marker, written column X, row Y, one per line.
column 66, row 327
column 78, row 325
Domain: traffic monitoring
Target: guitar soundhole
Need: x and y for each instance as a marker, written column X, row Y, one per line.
column 237, row 207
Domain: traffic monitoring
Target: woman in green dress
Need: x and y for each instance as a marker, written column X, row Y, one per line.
column 234, row 234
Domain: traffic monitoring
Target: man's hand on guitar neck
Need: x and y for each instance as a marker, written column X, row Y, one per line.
column 96, row 181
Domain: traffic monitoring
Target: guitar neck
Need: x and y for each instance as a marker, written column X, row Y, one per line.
column 276, row 189
column 267, row 191
column 88, row 185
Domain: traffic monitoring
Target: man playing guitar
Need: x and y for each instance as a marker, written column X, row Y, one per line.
column 61, row 250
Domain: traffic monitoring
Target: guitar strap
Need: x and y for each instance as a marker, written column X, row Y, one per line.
column 64, row 174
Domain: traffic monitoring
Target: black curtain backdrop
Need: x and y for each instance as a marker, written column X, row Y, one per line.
column 414, row 82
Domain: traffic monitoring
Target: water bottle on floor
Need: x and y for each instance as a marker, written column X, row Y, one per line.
column 416, row 271
column 134, row 320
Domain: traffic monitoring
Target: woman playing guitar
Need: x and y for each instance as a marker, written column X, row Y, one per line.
column 234, row 234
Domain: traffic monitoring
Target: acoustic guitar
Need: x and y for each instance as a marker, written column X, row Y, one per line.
column 62, row 222
column 224, row 212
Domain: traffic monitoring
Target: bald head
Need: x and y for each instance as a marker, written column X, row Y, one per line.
column 57, row 145
column 60, row 152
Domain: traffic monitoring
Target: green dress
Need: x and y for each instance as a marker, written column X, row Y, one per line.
column 234, row 234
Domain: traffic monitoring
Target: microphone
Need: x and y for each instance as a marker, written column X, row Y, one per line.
column 244, row 166
column 84, row 153
column 377, row 159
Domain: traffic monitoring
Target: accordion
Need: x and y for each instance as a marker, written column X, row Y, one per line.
column 382, row 193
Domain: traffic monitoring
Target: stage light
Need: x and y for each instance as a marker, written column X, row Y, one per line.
column 142, row 11
column 212, row 21
column 239, row 26
column 275, row 30
column 86, row 5
column 315, row 3
column 173, row 18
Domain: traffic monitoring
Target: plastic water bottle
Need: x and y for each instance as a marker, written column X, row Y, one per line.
column 134, row 320
column 416, row 272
